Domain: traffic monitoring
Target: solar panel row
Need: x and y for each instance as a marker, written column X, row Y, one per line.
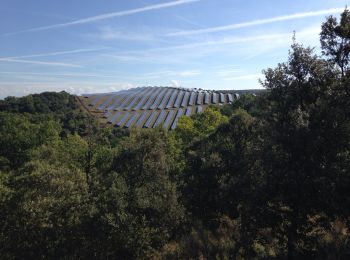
column 113, row 118
column 172, row 103
column 169, row 119
column 132, row 120
column 165, row 99
column 206, row 98
column 192, row 98
column 143, row 99
column 142, row 119
column 179, row 98
column 107, row 101
column 172, row 99
column 158, row 99
column 96, row 100
column 185, row 99
column 179, row 113
column 136, row 98
column 151, row 98
column 151, row 119
column 188, row 111
column 214, row 98
column 160, row 118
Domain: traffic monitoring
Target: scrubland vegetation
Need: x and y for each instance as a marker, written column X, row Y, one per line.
column 267, row 177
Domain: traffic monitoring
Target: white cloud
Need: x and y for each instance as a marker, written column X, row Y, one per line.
column 171, row 73
column 257, row 22
column 189, row 73
column 175, row 83
column 109, row 16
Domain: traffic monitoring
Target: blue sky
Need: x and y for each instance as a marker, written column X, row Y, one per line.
column 87, row 46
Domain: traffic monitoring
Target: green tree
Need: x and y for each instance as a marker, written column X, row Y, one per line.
column 335, row 41
column 300, row 152
column 199, row 126
column 18, row 135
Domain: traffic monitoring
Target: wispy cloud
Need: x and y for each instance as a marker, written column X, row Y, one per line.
column 79, row 75
column 245, row 77
column 45, row 63
column 257, row 22
column 47, row 54
column 22, row 58
column 115, row 33
column 96, row 18
column 171, row 73
column 261, row 38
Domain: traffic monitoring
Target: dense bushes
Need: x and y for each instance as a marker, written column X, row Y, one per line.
column 267, row 177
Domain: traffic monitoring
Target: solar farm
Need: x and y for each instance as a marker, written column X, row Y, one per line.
column 150, row 107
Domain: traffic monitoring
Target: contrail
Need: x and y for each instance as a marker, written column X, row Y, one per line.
column 257, row 22
column 107, row 16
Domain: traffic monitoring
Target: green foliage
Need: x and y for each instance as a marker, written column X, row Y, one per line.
column 44, row 103
column 266, row 177
column 335, row 41
column 61, row 107
column 44, row 212
column 145, row 162
column 18, row 135
column 199, row 126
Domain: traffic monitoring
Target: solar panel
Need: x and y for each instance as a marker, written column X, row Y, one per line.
column 206, row 98
column 169, row 119
column 96, row 100
column 126, row 101
column 107, row 101
column 151, row 98
column 158, row 99
column 142, row 119
column 123, row 119
column 107, row 114
column 185, row 99
column 150, row 120
column 179, row 113
column 199, row 109
column 144, row 99
column 137, row 96
column 178, row 99
column 188, row 111
column 229, row 98
column 120, row 98
column 160, row 118
column 222, row 97
column 199, row 98
column 172, row 99
column 165, row 99
column 192, row 98
column 132, row 120
column 215, row 98
column 114, row 118
column 131, row 95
